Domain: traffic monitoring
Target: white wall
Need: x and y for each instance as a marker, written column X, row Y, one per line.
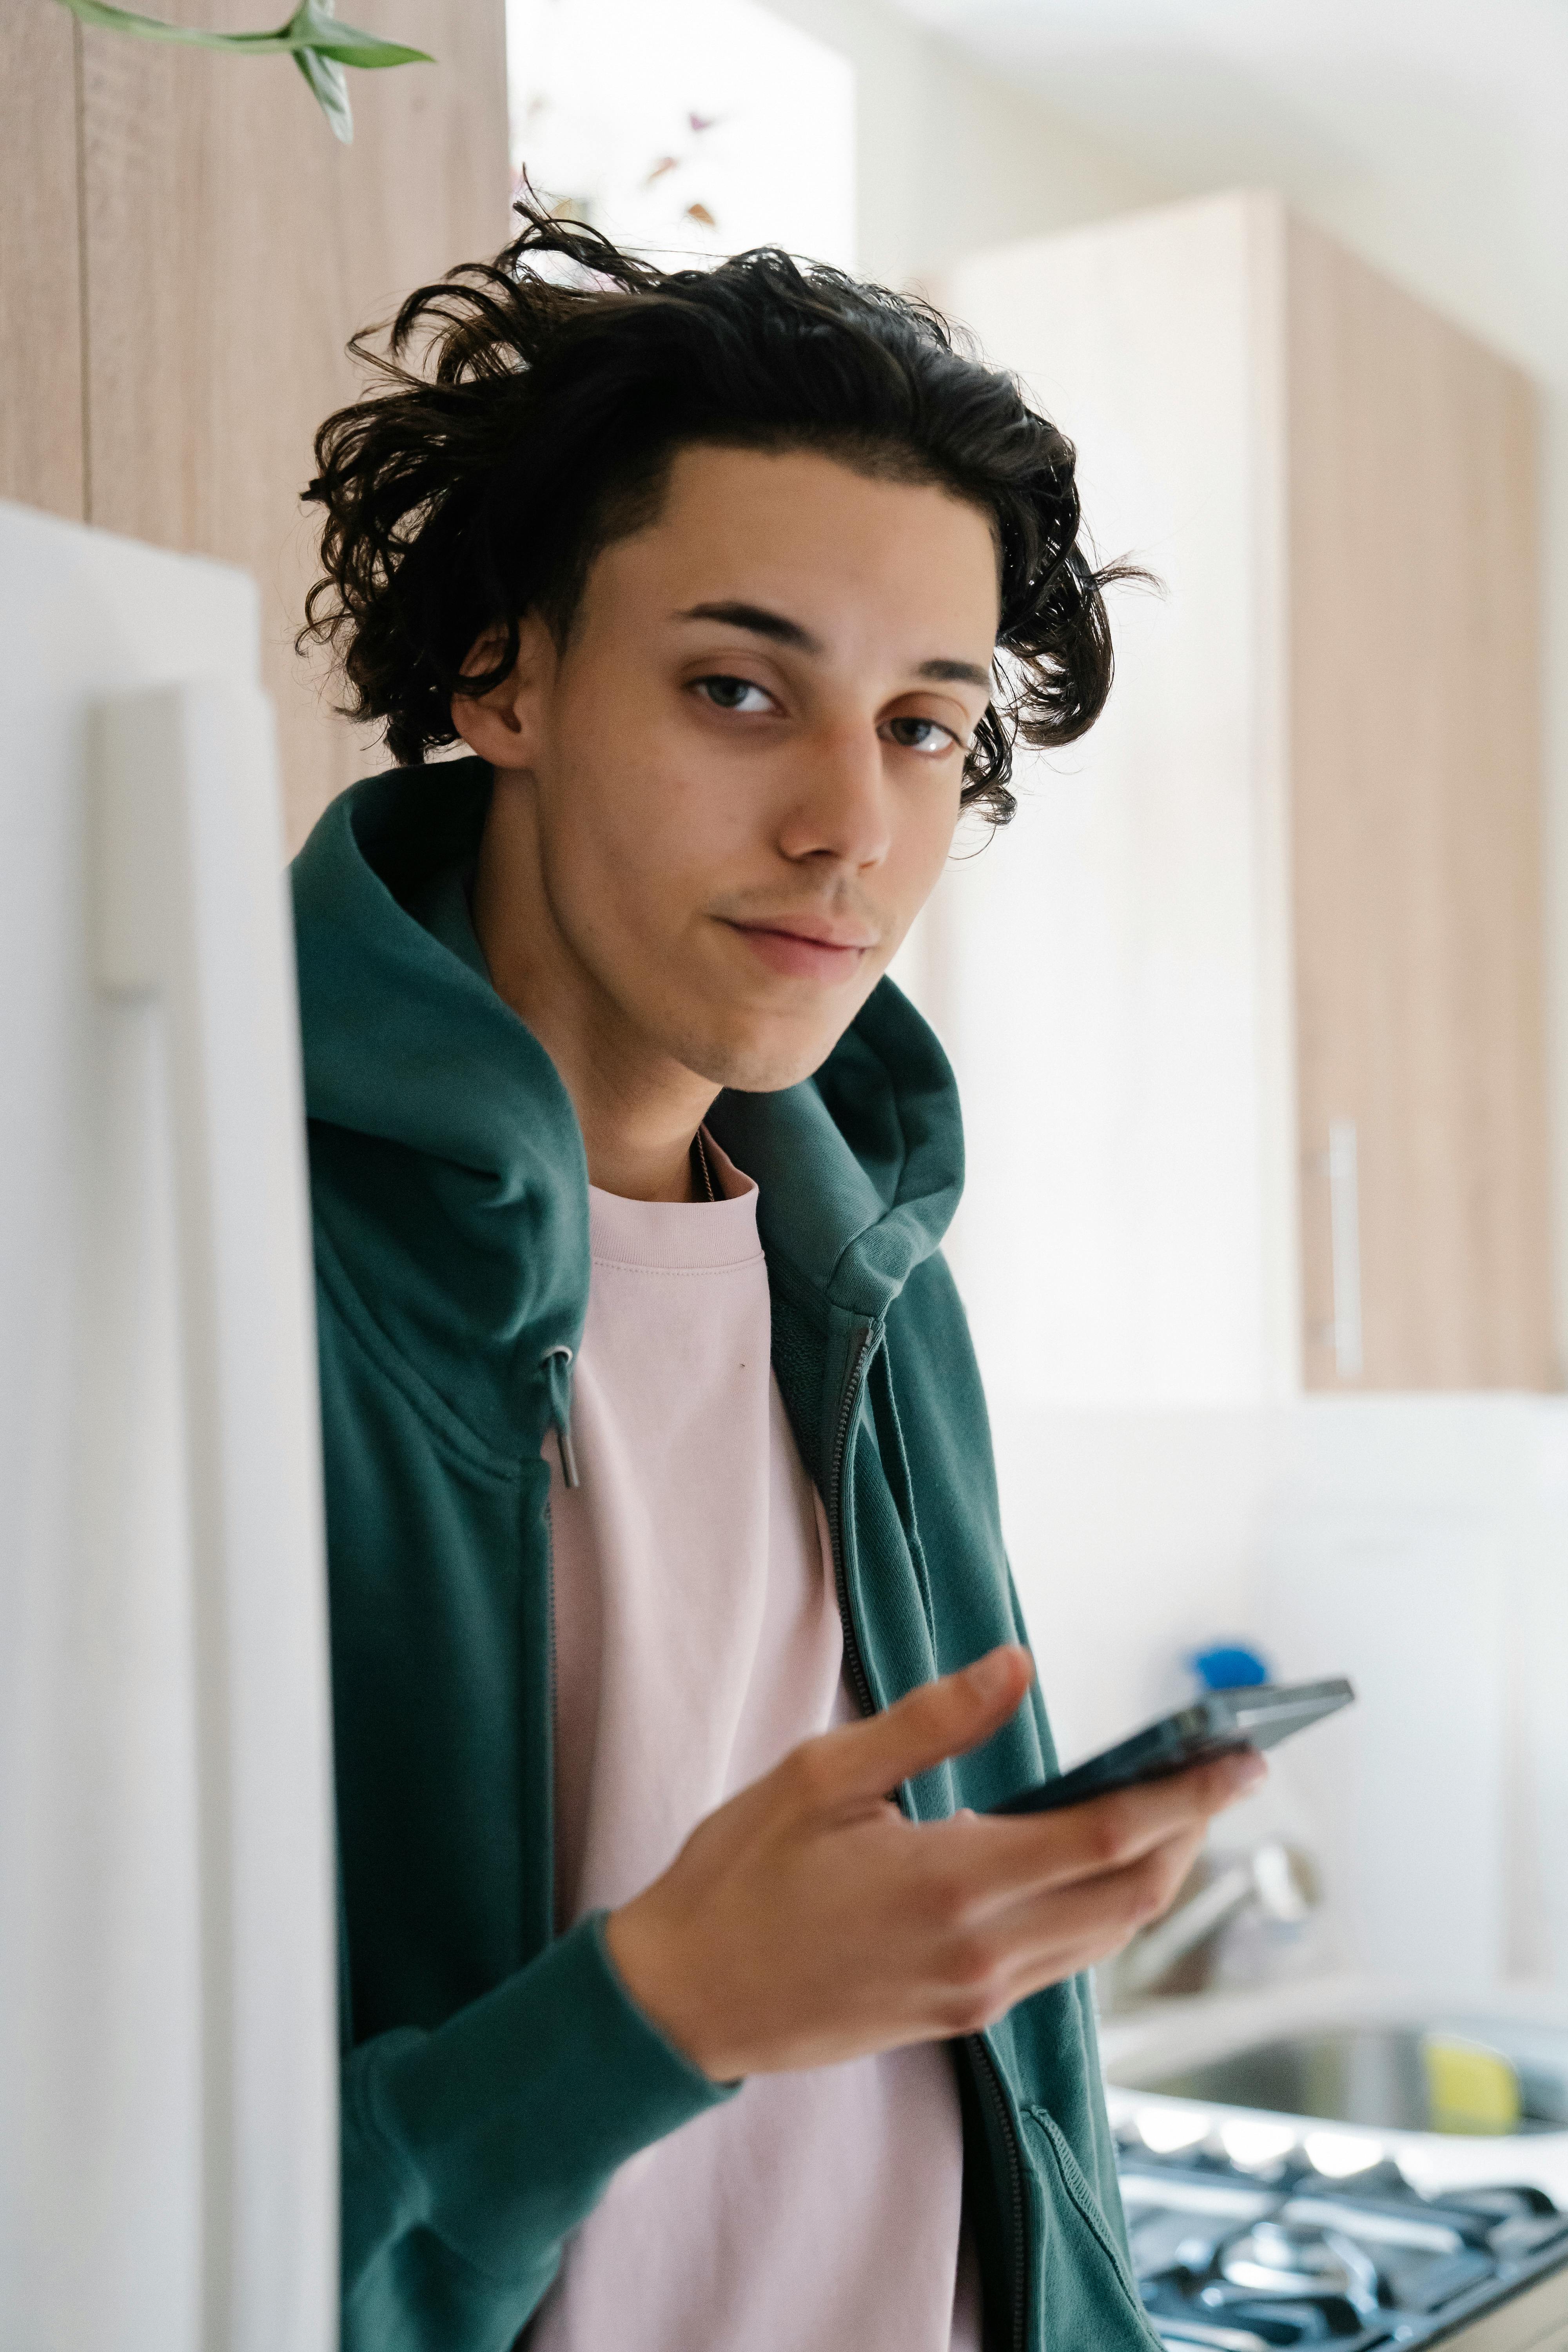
column 949, row 157
column 1414, row 1544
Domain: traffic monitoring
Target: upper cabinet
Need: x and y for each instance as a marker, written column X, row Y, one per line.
column 1248, row 1004
column 187, row 250
column 1414, row 768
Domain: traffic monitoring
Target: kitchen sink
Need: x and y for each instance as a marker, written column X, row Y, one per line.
column 1453, row 2087
column 1391, row 2077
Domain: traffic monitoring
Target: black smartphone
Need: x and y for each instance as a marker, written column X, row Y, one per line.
column 1260, row 1715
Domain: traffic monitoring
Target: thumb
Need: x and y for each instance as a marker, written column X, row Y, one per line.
column 941, row 1720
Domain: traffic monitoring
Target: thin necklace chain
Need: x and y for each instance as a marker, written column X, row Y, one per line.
column 702, row 1164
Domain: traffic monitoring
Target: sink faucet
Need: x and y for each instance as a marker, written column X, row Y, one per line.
column 1278, row 1879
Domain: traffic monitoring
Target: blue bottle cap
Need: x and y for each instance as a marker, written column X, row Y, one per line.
column 1228, row 1666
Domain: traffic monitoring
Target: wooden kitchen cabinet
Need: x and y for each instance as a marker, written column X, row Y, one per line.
column 1247, row 1005
column 1415, row 765
column 187, row 252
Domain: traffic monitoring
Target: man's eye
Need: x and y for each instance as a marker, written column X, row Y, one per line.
column 920, row 734
column 733, row 694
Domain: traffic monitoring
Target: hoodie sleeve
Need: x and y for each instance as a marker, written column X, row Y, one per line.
column 470, row 2153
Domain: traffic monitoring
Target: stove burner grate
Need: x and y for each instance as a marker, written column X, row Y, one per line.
column 1226, row 2263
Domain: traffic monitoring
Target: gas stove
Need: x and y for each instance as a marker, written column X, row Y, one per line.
column 1347, row 2161
column 1245, row 2260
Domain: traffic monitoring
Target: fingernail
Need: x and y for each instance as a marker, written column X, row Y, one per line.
column 1250, row 1768
column 991, row 1675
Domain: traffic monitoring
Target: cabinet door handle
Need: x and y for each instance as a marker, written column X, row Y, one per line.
column 1344, row 1245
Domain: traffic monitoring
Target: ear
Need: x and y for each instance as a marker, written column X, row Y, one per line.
column 502, row 726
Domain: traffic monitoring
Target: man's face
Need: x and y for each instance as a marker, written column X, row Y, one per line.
column 744, row 769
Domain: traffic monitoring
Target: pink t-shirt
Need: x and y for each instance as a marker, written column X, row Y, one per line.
column 698, row 1641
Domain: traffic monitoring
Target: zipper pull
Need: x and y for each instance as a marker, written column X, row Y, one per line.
column 556, row 1363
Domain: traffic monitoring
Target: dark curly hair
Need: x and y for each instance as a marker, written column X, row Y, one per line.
column 524, row 417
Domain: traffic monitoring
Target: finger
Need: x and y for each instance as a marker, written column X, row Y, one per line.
column 1006, row 1856
column 941, row 1720
column 1056, row 1933
column 1110, row 1832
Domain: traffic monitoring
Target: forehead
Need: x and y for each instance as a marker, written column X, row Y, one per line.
column 799, row 532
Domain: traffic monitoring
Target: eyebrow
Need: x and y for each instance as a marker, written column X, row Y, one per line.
column 780, row 630
column 958, row 673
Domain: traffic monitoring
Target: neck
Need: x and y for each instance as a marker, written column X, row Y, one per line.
column 639, row 1108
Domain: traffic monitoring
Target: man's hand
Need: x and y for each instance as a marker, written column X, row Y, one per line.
column 807, row 1921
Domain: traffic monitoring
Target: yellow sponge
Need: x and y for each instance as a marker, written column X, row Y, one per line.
column 1470, row 2088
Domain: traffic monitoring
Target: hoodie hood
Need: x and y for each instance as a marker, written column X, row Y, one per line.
column 451, row 1186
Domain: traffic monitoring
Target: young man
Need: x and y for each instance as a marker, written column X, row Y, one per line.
column 663, row 1530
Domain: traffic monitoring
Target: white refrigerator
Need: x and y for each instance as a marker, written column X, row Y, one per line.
column 168, row 2129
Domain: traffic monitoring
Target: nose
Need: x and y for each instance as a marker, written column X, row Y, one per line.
column 840, row 809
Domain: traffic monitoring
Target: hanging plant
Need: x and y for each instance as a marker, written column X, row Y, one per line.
column 320, row 45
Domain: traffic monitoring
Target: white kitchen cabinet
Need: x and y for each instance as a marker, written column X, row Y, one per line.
column 1246, row 1004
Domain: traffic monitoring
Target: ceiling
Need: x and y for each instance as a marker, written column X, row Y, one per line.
column 1430, row 135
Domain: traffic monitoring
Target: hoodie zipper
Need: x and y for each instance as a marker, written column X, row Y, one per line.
column 989, row 2073
column 556, row 1365
column 986, row 2069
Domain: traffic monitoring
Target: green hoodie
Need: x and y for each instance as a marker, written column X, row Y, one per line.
column 495, row 2073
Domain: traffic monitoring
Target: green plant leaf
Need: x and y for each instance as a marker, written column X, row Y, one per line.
column 320, row 45
column 311, row 28
column 329, row 85
column 314, row 27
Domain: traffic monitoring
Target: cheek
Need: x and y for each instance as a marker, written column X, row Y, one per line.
column 632, row 843
column 922, row 849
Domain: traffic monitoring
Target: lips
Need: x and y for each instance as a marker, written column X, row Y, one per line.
column 806, row 950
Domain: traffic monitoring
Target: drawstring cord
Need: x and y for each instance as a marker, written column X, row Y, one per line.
column 556, row 1364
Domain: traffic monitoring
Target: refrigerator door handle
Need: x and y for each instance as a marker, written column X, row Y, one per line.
column 190, row 909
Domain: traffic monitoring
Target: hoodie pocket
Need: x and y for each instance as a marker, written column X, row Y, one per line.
column 1078, row 2212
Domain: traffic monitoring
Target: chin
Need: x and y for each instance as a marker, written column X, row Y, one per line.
column 758, row 1066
